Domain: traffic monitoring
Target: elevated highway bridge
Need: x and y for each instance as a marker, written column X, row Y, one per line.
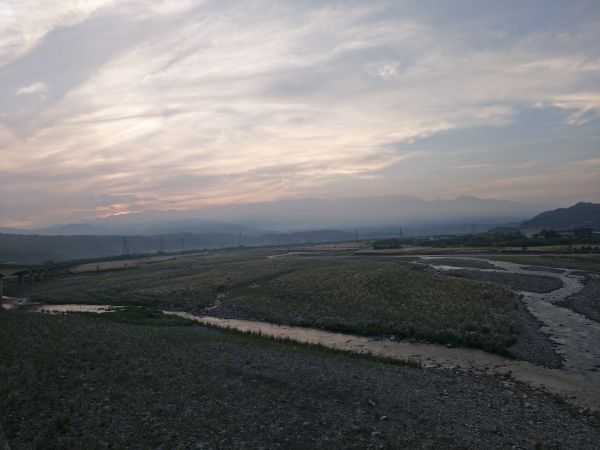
column 29, row 272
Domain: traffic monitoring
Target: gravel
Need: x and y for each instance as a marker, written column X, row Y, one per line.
column 586, row 301
column 532, row 344
column 542, row 269
column 517, row 281
column 90, row 383
column 455, row 262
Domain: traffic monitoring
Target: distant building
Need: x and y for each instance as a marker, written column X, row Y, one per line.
column 505, row 231
column 573, row 232
column 583, row 232
column 547, row 234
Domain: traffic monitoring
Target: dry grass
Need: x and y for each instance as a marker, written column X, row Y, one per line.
column 383, row 298
column 368, row 298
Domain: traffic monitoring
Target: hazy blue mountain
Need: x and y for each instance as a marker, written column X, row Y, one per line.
column 577, row 216
column 383, row 211
column 9, row 230
column 152, row 222
column 387, row 213
column 140, row 224
column 70, row 229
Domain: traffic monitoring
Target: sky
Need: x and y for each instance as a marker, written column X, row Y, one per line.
column 117, row 106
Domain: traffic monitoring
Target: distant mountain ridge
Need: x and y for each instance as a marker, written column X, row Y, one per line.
column 380, row 211
column 413, row 214
column 137, row 224
column 69, row 229
column 580, row 215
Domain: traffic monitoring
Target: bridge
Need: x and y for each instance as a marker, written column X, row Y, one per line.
column 29, row 272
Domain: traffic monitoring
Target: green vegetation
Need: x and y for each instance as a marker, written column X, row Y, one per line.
column 137, row 315
column 382, row 298
column 583, row 244
column 190, row 283
column 584, row 262
column 361, row 297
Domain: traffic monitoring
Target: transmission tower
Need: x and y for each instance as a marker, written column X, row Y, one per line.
column 161, row 244
column 182, row 243
column 125, row 245
column 356, row 234
column 240, row 240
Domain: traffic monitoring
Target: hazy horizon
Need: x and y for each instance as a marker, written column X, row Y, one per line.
column 111, row 107
column 303, row 214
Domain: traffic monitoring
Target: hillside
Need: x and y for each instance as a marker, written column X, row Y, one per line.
column 577, row 216
column 35, row 249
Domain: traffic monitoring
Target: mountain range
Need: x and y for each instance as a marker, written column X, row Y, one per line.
column 375, row 214
column 580, row 215
column 153, row 231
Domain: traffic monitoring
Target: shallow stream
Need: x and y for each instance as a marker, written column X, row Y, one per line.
column 576, row 338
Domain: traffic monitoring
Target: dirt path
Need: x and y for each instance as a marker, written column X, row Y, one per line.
column 577, row 338
column 572, row 387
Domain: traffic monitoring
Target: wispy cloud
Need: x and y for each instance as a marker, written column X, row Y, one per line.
column 34, row 88
column 235, row 101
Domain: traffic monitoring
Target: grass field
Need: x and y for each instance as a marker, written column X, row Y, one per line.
column 190, row 283
column 364, row 297
column 382, row 298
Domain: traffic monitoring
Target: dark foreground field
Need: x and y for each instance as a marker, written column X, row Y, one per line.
column 83, row 381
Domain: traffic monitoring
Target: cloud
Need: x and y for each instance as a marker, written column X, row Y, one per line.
column 26, row 22
column 385, row 70
column 34, row 88
column 213, row 102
